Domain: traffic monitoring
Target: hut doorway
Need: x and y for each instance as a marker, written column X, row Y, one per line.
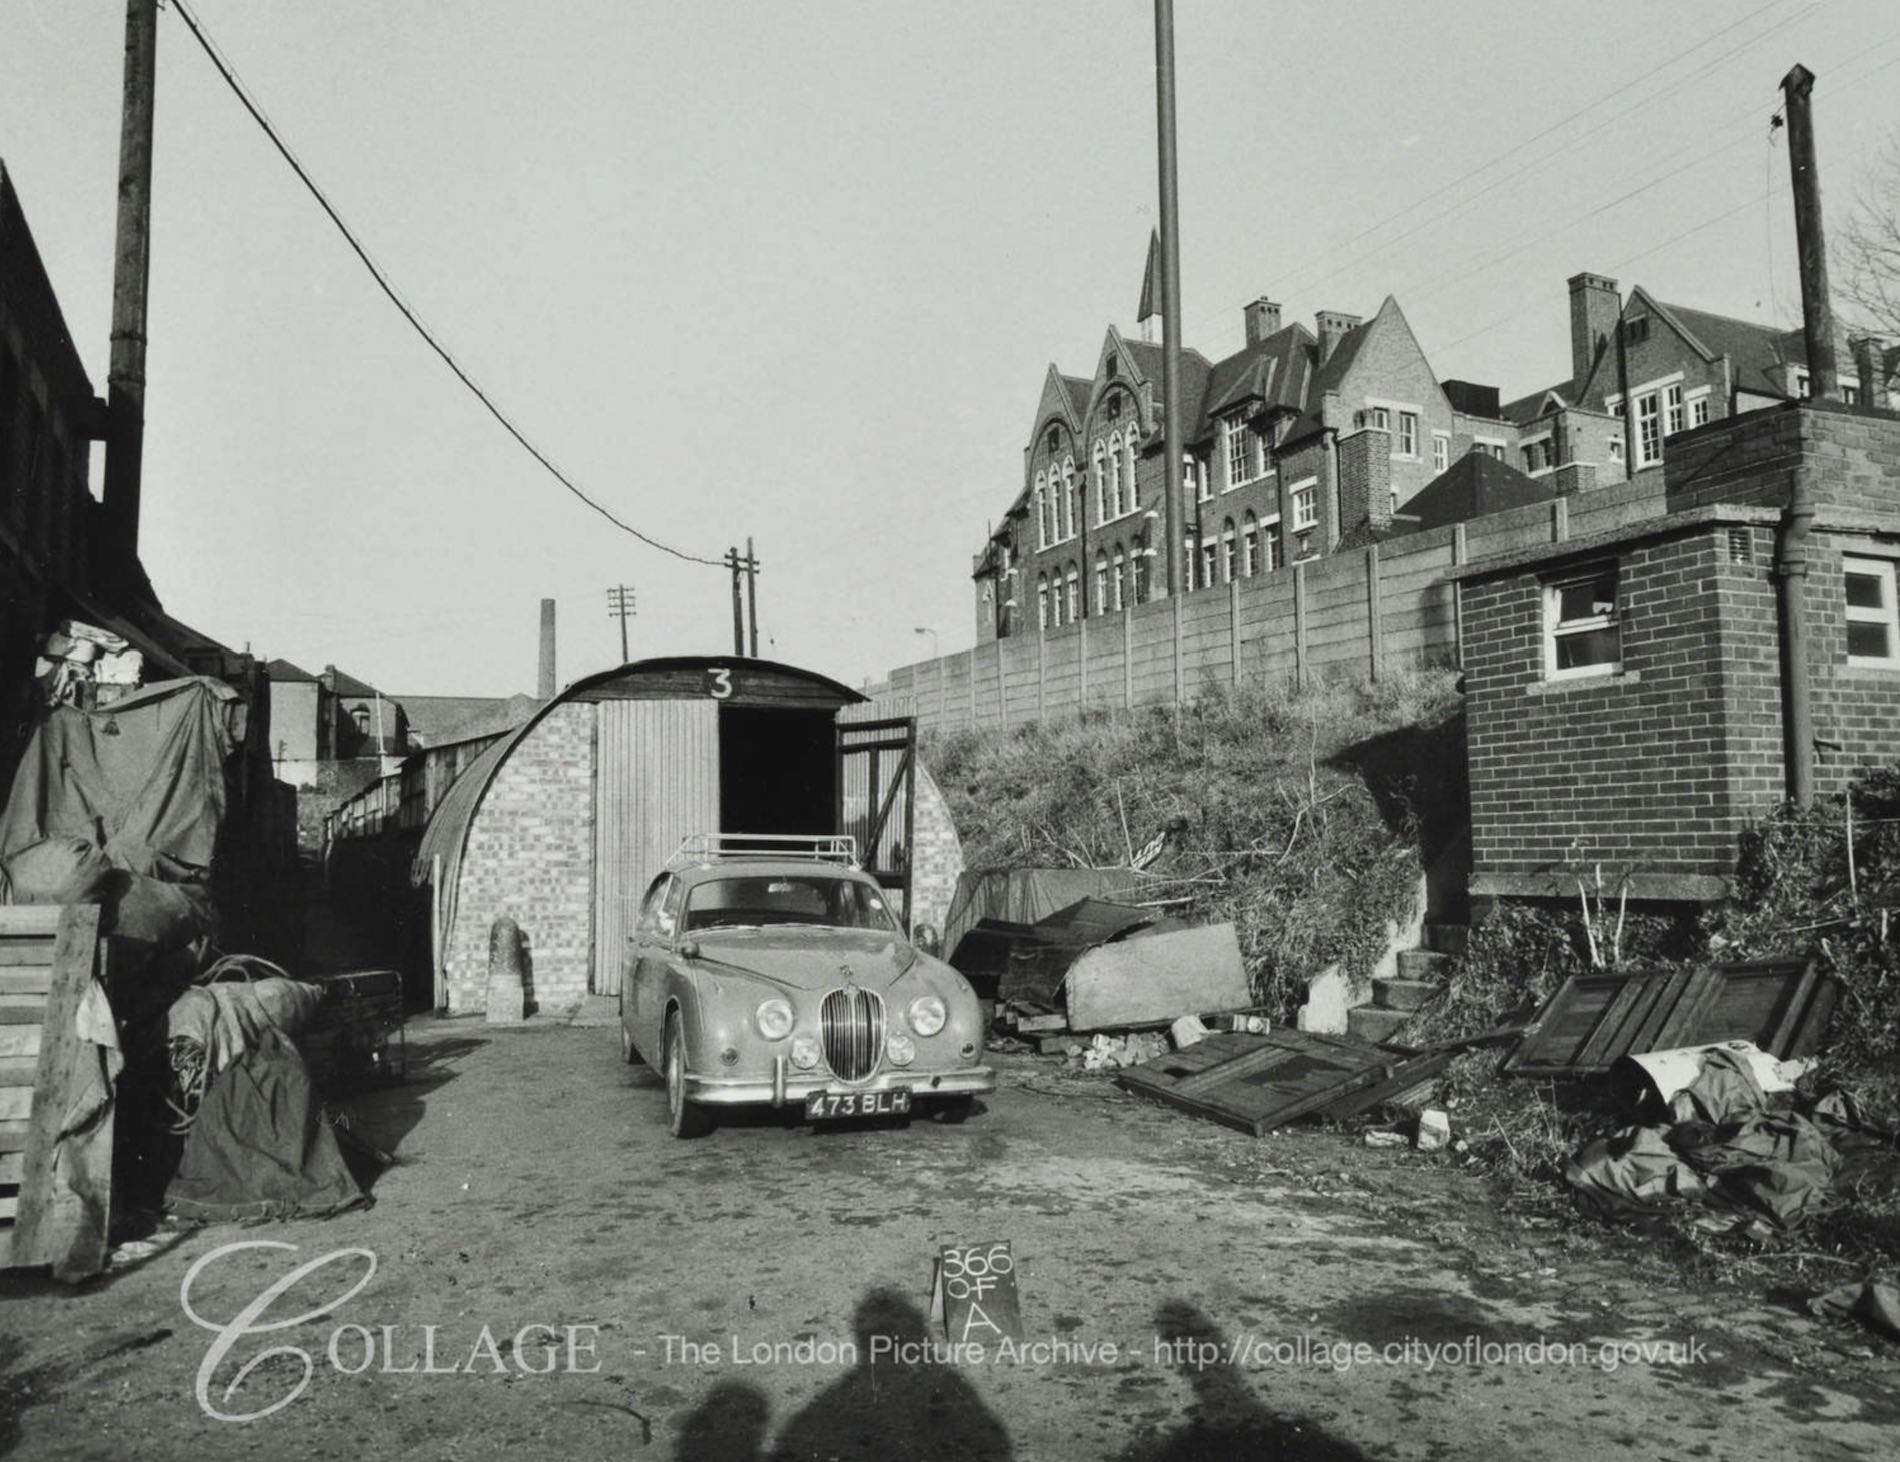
column 778, row 771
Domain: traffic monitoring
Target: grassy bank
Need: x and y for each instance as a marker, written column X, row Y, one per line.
column 1301, row 818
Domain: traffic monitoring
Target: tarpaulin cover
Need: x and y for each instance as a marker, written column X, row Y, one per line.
column 141, row 779
column 230, row 1019
column 259, row 1147
column 1733, row 1150
column 1026, row 895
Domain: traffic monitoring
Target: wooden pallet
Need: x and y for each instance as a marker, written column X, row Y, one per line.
column 48, row 958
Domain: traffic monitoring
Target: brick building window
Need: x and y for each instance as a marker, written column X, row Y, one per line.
column 1441, row 451
column 1101, row 582
column 1580, row 629
column 1408, row 433
column 1114, row 465
column 1648, row 429
column 1276, row 545
column 1249, row 545
column 1042, row 601
column 1873, row 620
column 1672, row 409
column 1228, row 543
column 1243, row 452
column 1118, row 586
column 1103, row 511
column 1074, row 586
column 1699, row 408
column 1305, row 502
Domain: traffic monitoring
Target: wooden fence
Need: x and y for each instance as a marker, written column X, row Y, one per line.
column 1358, row 614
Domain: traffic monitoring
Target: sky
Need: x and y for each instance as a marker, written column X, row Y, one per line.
column 794, row 271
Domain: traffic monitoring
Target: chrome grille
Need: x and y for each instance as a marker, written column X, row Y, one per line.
column 851, row 1023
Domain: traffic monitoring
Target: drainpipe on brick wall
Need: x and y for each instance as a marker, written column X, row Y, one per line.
column 1791, row 569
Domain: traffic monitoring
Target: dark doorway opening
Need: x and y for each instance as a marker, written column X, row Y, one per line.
column 777, row 772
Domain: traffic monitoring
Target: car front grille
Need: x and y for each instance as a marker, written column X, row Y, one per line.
column 851, row 1022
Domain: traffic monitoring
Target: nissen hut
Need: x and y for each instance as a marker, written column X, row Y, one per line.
column 563, row 823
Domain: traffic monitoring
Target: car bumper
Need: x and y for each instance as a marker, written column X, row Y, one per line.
column 786, row 1087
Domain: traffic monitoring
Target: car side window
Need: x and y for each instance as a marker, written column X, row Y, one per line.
column 669, row 916
column 649, row 920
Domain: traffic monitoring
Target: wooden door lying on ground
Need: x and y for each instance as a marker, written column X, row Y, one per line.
column 657, row 779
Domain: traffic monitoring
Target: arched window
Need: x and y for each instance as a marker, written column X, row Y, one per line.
column 1042, row 517
column 1042, row 601
column 1115, row 475
column 1102, row 513
column 1118, row 589
column 1101, row 582
column 1249, row 544
column 1069, row 504
column 1186, row 580
column 1227, row 552
column 1138, row 575
column 1128, row 466
column 1075, row 585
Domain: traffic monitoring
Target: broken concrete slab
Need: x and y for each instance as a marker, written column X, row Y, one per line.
column 1156, row 978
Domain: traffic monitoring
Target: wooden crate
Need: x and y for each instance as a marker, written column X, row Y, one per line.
column 48, row 958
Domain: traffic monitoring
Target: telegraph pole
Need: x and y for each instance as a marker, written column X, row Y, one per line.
column 752, row 596
column 1170, row 300
column 620, row 605
column 734, row 563
column 131, row 279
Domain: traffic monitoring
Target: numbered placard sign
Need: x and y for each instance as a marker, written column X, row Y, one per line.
column 975, row 1293
column 719, row 682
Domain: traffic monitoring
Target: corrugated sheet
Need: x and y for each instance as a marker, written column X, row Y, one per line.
column 658, row 780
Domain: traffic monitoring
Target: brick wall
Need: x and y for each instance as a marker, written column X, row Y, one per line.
column 530, row 856
column 936, row 853
column 1653, row 771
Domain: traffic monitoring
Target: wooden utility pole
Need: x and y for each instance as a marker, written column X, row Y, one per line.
column 738, row 604
column 752, row 596
column 1170, row 300
column 131, row 279
column 620, row 605
column 1817, row 309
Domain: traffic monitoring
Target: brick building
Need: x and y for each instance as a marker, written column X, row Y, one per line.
column 1300, row 443
column 1628, row 691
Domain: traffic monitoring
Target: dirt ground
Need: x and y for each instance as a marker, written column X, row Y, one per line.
column 715, row 1287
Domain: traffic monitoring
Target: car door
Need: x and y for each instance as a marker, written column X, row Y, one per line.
column 643, row 968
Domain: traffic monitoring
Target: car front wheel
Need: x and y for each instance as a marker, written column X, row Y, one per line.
column 684, row 1118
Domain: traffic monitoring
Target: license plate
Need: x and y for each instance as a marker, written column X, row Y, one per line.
column 823, row 1105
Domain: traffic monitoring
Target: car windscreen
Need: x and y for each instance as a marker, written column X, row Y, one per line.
column 787, row 898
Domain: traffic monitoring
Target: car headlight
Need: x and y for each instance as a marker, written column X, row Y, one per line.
column 901, row 1049
column 927, row 1015
column 774, row 1019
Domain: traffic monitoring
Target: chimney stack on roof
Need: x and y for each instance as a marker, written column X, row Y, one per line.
column 1333, row 327
column 1263, row 319
column 1595, row 308
column 544, row 681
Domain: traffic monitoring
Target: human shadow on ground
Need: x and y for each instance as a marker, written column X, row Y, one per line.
column 896, row 1404
column 1226, row 1421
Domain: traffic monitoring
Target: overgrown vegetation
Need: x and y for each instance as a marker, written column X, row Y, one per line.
column 1301, row 818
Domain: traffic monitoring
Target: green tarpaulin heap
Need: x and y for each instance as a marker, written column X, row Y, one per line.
column 141, row 779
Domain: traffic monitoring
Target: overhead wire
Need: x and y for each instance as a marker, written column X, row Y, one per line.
column 1439, row 193
column 408, row 312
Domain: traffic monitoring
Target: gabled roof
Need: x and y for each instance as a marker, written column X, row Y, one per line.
column 345, row 684
column 1475, row 484
column 1274, row 372
column 1333, row 370
column 1527, row 409
column 283, row 670
column 1761, row 354
column 436, row 719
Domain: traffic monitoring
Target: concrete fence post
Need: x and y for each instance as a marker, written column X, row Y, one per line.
column 1233, row 629
column 1082, row 666
column 1299, row 626
column 1042, row 675
column 1375, row 612
column 1180, row 649
column 1128, row 657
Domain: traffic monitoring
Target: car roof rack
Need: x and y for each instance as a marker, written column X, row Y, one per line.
column 737, row 847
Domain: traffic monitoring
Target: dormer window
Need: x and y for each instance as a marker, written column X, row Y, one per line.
column 1636, row 330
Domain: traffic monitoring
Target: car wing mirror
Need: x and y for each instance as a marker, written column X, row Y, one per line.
column 689, row 949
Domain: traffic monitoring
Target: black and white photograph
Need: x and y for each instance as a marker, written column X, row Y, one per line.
column 949, row 730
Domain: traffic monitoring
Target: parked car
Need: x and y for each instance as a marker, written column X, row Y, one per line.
column 783, row 978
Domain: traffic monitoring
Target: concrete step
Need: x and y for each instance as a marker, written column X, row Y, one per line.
column 1423, row 964
column 1403, row 994
column 1447, row 938
column 1370, row 1023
